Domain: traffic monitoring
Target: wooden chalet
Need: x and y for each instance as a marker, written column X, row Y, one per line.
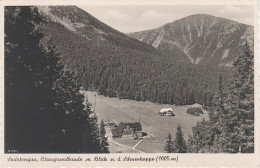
column 127, row 129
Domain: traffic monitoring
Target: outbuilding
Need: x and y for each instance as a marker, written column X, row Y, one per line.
column 166, row 111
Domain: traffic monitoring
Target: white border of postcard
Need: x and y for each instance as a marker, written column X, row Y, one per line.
column 148, row 160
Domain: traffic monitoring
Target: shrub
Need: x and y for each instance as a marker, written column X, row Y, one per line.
column 195, row 111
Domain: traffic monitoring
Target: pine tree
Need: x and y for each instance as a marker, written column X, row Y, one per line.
column 241, row 104
column 28, row 88
column 218, row 102
column 218, row 120
column 94, row 138
column 179, row 143
column 201, row 141
column 103, row 139
column 81, row 131
column 56, row 114
column 44, row 110
column 169, row 144
column 192, row 145
column 72, row 103
column 90, row 131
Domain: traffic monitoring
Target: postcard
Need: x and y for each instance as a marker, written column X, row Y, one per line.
column 129, row 84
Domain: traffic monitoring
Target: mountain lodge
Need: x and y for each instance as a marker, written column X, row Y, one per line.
column 126, row 129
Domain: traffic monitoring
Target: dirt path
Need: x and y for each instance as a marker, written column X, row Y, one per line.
column 138, row 143
column 127, row 146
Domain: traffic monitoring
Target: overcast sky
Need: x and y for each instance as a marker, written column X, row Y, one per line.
column 137, row 18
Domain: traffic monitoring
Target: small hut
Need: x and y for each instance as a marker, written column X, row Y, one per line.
column 166, row 111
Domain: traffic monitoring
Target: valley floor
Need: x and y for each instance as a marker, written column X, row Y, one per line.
column 157, row 127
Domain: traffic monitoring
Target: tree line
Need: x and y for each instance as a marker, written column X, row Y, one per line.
column 44, row 109
column 230, row 128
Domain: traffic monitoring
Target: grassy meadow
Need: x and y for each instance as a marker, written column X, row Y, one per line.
column 158, row 127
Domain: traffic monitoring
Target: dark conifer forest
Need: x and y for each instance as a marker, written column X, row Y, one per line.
column 44, row 110
column 231, row 125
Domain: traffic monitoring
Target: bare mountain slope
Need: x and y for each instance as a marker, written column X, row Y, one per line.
column 204, row 39
column 82, row 23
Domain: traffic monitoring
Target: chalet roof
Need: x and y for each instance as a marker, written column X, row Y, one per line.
column 121, row 126
column 115, row 132
column 110, row 124
column 165, row 110
column 134, row 125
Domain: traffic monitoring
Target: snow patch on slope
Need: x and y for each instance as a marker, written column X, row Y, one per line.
column 183, row 36
column 188, row 55
column 197, row 60
column 158, row 39
column 99, row 31
column 141, row 38
column 249, row 36
column 173, row 43
column 79, row 25
column 232, row 30
column 197, row 29
column 201, row 27
column 225, row 54
column 227, row 64
column 189, row 33
column 219, row 45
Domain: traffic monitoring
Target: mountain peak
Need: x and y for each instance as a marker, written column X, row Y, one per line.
column 201, row 38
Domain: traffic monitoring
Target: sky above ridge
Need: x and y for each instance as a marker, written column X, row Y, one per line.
column 137, row 18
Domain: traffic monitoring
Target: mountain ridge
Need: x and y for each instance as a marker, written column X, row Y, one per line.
column 81, row 22
column 193, row 15
column 202, row 38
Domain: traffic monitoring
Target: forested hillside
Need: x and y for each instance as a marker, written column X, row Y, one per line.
column 231, row 125
column 117, row 70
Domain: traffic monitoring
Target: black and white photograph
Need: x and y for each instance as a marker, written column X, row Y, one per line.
column 110, row 79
